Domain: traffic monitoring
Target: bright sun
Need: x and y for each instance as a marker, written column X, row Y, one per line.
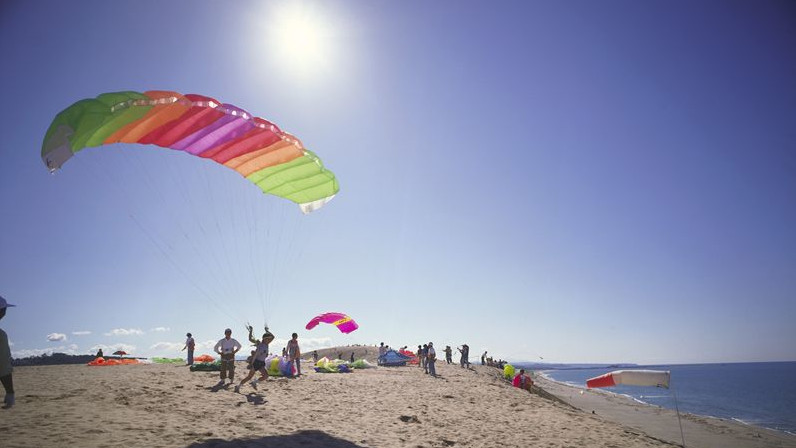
column 301, row 37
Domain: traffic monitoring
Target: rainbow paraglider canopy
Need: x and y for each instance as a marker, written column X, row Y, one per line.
column 272, row 159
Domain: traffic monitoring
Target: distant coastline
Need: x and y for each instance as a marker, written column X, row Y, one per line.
column 52, row 360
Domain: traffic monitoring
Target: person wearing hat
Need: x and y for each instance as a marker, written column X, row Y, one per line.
column 190, row 345
column 5, row 360
column 227, row 347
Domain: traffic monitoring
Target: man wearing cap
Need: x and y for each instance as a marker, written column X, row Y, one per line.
column 227, row 347
column 5, row 360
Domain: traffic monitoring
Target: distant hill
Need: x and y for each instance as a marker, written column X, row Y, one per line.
column 55, row 358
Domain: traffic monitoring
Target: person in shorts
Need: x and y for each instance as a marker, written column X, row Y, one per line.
column 258, row 358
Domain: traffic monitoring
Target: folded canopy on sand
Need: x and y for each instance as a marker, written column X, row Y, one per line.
column 655, row 378
column 326, row 365
column 100, row 361
column 204, row 358
column 393, row 359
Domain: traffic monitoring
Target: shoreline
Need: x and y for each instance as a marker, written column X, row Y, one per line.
column 662, row 423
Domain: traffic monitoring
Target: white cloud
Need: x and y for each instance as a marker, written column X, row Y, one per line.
column 167, row 347
column 207, row 346
column 160, row 329
column 125, row 332
column 81, row 333
column 55, row 337
column 70, row 349
column 308, row 344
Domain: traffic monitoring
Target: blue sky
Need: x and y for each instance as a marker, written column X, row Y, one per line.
column 576, row 181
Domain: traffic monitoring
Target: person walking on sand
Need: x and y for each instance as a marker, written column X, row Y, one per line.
column 227, row 347
column 294, row 353
column 5, row 360
column 258, row 358
column 190, row 344
column 431, row 358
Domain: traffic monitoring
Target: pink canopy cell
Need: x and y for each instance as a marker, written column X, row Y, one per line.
column 343, row 322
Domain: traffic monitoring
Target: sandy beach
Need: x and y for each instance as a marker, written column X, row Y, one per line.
column 156, row 405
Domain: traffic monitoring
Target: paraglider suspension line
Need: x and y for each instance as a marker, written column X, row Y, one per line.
column 677, row 408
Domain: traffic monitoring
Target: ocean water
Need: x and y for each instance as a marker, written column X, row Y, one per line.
column 761, row 394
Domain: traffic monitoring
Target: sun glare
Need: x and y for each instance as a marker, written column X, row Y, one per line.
column 301, row 38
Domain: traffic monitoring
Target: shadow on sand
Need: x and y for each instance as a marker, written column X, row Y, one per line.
column 315, row 439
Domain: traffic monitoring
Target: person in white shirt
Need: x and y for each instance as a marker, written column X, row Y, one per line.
column 227, row 347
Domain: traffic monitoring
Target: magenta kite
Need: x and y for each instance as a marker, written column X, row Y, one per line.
column 343, row 322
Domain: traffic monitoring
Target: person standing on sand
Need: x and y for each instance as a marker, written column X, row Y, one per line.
column 448, row 354
column 227, row 347
column 465, row 359
column 5, row 360
column 294, row 353
column 431, row 358
column 190, row 345
column 382, row 351
column 259, row 355
column 483, row 358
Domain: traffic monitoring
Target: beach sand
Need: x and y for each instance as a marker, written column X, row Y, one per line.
column 157, row 405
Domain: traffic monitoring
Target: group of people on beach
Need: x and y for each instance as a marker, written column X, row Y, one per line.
column 427, row 356
column 227, row 347
column 489, row 361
